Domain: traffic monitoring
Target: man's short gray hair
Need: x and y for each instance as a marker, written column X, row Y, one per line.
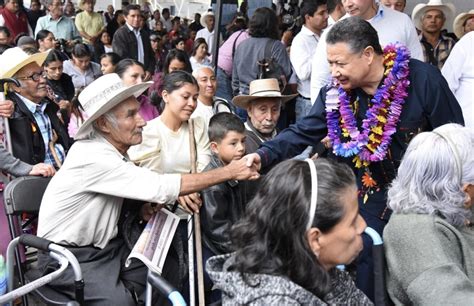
column 111, row 119
column 428, row 180
column 198, row 70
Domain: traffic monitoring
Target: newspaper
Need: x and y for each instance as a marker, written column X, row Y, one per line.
column 155, row 240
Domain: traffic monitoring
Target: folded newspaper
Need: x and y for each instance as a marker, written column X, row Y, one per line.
column 155, row 240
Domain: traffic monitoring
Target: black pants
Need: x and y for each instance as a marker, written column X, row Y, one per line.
column 107, row 280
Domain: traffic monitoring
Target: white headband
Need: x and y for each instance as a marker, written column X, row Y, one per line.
column 314, row 192
column 457, row 158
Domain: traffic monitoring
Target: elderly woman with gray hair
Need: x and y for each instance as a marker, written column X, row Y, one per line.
column 429, row 241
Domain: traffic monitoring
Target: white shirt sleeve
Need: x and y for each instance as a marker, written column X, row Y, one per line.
column 412, row 41
column 301, row 58
column 320, row 68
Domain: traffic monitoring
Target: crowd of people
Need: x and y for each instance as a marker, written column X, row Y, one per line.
column 310, row 125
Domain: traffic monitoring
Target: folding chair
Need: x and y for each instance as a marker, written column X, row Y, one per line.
column 24, row 195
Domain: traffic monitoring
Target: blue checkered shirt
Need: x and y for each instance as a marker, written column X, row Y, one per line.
column 44, row 124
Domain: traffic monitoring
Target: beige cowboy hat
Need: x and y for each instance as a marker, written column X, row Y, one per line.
column 14, row 59
column 263, row 88
column 102, row 95
column 204, row 16
column 458, row 25
column 448, row 10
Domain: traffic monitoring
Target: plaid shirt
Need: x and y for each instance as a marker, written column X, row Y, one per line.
column 44, row 124
column 437, row 56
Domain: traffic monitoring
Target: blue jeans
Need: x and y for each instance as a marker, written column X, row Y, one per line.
column 224, row 90
column 224, row 85
column 302, row 107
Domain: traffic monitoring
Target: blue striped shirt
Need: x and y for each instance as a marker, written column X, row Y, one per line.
column 44, row 124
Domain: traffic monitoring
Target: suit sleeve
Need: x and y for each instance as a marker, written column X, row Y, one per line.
column 119, row 44
column 440, row 105
column 309, row 131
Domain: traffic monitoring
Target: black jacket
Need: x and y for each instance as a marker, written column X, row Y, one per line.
column 224, row 204
column 124, row 44
column 27, row 141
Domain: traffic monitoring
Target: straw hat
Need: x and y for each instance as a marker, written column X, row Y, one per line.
column 204, row 16
column 448, row 9
column 458, row 25
column 14, row 59
column 102, row 95
column 263, row 88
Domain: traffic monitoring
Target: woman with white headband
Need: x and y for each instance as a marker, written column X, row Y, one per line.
column 429, row 240
column 302, row 223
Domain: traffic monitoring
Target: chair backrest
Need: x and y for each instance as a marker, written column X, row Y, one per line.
column 24, row 194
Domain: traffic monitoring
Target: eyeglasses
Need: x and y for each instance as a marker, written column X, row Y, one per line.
column 34, row 77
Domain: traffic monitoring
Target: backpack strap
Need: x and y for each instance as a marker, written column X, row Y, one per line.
column 234, row 45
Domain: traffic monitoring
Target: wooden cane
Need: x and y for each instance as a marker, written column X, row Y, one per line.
column 197, row 222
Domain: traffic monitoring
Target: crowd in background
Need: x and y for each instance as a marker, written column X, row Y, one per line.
column 271, row 76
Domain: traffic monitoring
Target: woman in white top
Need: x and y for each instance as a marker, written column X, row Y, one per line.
column 166, row 141
column 80, row 68
column 199, row 56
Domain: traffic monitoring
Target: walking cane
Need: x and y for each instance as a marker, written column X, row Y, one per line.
column 7, row 136
column 197, row 222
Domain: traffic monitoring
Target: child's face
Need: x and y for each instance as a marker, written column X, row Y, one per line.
column 232, row 147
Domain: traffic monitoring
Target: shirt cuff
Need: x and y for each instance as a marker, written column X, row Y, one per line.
column 168, row 188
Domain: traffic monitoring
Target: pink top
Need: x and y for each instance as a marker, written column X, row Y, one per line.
column 147, row 110
column 225, row 51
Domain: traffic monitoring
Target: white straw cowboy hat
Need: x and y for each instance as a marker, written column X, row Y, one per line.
column 14, row 59
column 204, row 16
column 102, row 95
column 263, row 88
column 458, row 25
column 448, row 10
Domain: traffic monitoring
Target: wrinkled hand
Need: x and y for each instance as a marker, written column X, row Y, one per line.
column 43, row 170
column 149, row 209
column 191, row 202
column 326, row 142
column 6, row 108
column 245, row 168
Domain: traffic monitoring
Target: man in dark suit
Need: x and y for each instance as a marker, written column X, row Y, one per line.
column 130, row 41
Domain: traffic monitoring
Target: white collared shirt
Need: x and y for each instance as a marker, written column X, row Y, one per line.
column 392, row 26
column 140, row 51
column 301, row 55
column 82, row 203
column 208, row 37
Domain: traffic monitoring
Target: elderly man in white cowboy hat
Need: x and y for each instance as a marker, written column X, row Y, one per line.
column 430, row 18
column 463, row 23
column 208, row 22
column 263, row 104
column 82, row 204
column 37, row 133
